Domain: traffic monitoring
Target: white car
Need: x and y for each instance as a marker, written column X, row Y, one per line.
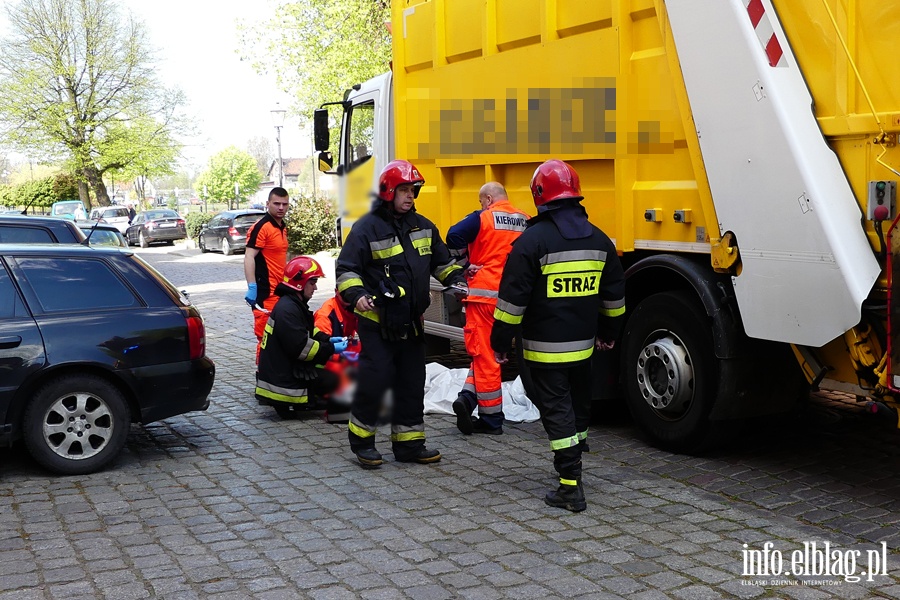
column 114, row 215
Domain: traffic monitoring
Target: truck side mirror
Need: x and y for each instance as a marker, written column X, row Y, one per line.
column 326, row 162
column 320, row 129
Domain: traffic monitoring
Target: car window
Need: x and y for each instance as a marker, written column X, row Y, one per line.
column 11, row 234
column 110, row 213
column 104, row 237
column 10, row 304
column 138, row 219
column 246, row 220
column 62, row 284
column 215, row 221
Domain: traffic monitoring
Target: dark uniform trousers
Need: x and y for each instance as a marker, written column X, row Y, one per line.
column 563, row 396
column 383, row 365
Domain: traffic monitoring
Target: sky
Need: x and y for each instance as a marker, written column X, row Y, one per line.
column 195, row 41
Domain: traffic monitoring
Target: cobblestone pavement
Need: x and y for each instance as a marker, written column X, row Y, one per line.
column 234, row 503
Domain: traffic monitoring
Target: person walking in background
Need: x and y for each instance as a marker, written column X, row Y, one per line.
column 563, row 284
column 384, row 272
column 485, row 238
column 264, row 260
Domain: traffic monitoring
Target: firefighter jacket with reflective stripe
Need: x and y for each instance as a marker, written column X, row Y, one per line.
column 406, row 248
column 499, row 226
column 291, row 352
column 335, row 320
column 562, row 292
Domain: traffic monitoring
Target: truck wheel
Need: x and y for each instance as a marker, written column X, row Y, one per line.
column 670, row 373
column 76, row 424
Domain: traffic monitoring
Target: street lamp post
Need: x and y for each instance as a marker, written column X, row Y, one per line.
column 278, row 122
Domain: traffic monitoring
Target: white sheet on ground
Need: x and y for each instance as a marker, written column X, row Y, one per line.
column 442, row 386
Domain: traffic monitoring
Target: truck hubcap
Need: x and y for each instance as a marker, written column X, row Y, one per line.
column 665, row 375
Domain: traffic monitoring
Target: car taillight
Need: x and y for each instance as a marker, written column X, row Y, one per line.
column 233, row 232
column 196, row 337
column 181, row 221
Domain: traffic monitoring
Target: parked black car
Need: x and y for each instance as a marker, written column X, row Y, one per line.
column 157, row 225
column 22, row 229
column 91, row 340
column 227, row 231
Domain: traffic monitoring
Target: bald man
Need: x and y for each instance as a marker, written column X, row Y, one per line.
column 483, row 239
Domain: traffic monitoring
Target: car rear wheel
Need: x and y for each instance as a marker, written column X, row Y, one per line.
column 226, row 247
column 76, row 424
column 142, row 240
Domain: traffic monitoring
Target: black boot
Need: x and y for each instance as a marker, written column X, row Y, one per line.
column 369, row 458
column 569, row 497
column 423, row 456
column 463, row 416
column 479, row 426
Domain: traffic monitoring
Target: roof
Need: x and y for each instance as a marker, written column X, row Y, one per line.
column 292, row 167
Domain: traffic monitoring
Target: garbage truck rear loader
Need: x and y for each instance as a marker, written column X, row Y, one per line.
column 741, row 153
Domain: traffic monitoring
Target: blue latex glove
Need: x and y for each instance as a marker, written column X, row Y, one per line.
column 335, row 340
column 250, row 296
column 339, row 346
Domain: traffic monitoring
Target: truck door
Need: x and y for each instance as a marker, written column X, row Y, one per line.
column 21, row 345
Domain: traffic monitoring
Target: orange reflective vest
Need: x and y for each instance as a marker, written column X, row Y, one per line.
column 501, row 224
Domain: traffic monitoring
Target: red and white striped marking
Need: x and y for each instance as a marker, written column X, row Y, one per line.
column 764, row 31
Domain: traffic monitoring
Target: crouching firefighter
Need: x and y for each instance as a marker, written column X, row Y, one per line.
column 384, row 272
column 293, row 350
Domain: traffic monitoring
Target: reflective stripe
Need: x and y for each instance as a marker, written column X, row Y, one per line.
column 572, row 482
column 359, row 429
column 469, row 385
column 575, row 266
column 510, row 308
column 582, row 435
column 490, row 395
column 504, row 316
column 348, row 280
column 386, row 248
column 407, row 433
column 281, row 394
column 572, row 256
column 368, row 314
column 443, row 271
column 573, row 285
column 563, row 443
column 509, row 221
column 482, row 293
column 612, row 308
column 309, row 350
column 421, row 241
column 557, row 352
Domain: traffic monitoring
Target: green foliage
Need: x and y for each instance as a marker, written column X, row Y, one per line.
column 77, row 83
column 40, row 193
column 311, row 223
column 194, row 221
column 319, row 48
column 226, row 168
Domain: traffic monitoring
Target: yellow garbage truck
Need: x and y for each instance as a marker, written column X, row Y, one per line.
column 741, row 153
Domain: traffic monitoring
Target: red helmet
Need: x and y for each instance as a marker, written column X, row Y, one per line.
column 398, row 172
column 554, row 180
column 300, row 270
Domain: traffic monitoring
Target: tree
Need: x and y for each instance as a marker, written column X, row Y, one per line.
column 260, row 148
column 77, row 83
column 229, row 167
column 319, row 48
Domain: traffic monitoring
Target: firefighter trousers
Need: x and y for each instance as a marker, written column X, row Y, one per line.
column 483, row 383
column 384, row 365
column 563, row 397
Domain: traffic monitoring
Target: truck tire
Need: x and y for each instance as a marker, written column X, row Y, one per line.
column 670, row 371
column 76, row 424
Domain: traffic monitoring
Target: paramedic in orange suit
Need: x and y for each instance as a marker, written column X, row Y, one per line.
column 484, row 237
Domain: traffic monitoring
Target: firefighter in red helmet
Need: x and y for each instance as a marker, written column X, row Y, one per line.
column 384, row 272
column 563, row 287
column 292, row 349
